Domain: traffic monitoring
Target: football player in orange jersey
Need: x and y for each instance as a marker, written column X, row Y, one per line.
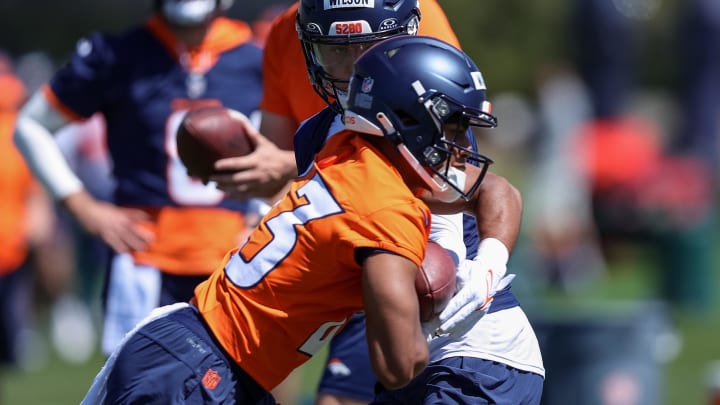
column 347, row 378
column 168, row 230
column 288, row 99
column 348, row 236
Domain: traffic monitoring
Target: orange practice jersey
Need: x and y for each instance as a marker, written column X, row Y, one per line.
column 16, row 182
column 296, row 282
column 286, row 87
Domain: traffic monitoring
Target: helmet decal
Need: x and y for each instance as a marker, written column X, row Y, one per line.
column 334, row 4
column 478, row 80
column 366, row 85
column 388, row 24
column 313, row 28
column 350, row 28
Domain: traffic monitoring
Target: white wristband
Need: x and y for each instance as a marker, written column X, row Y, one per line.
column 492, row 250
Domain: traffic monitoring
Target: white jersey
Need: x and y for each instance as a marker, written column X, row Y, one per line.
column 505, row 336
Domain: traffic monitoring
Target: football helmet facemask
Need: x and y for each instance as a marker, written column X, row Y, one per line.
column 411, row 89
column 333, row 33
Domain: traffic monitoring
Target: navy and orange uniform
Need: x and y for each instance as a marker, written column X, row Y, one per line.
column 143, row 84
column 287, row 89
column 297, row 280
column 16, row 182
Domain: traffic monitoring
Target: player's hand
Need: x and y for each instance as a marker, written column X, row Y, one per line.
column 471, row 301
column 116, row 226
column 261, row 174
column 477, row 281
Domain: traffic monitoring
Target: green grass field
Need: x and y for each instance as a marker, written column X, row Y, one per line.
column 684, row 377
column 62, row 384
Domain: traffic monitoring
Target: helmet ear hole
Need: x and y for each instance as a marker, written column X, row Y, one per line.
column 405, row 118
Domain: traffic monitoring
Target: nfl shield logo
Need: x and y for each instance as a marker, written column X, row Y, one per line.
column 367, row 85
column 211, row 379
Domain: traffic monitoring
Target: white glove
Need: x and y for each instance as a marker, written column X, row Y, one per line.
column 478, row 280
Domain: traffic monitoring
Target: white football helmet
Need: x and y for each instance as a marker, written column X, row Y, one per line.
column 191, row 12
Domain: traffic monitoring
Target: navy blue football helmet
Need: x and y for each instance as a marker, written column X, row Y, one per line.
column 408, row 89
column 335, row 32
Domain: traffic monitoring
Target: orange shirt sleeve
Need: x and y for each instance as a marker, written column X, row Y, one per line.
column 434, row 23
column 286, row 85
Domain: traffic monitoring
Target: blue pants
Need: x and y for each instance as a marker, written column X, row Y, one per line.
column 467, row 380
column 175, row 360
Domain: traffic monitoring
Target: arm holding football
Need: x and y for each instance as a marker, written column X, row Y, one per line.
column 266, row 171
column 397, row 347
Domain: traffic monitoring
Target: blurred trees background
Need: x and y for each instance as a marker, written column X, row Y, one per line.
column 511, row 40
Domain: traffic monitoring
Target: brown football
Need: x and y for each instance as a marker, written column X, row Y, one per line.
column 435, row 281
column 207, row 134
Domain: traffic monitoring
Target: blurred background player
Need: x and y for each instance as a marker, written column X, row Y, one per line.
column 25, row 225
column 168, row 230
column 326, row 248
column 287, row 101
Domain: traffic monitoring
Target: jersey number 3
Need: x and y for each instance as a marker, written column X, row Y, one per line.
column 283, row 227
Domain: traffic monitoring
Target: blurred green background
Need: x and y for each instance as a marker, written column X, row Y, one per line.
column 518, row 45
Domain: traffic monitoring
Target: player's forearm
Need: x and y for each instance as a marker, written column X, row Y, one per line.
column 396, row 345
column 42, row 154
column 496, row 205
column 497, row 209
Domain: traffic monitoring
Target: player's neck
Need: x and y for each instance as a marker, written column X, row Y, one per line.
column 190, row 37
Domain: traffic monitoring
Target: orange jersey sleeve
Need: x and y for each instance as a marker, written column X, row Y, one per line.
column 296, row 282
column 434, row 23
column 286, row 86
column 16, row 184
